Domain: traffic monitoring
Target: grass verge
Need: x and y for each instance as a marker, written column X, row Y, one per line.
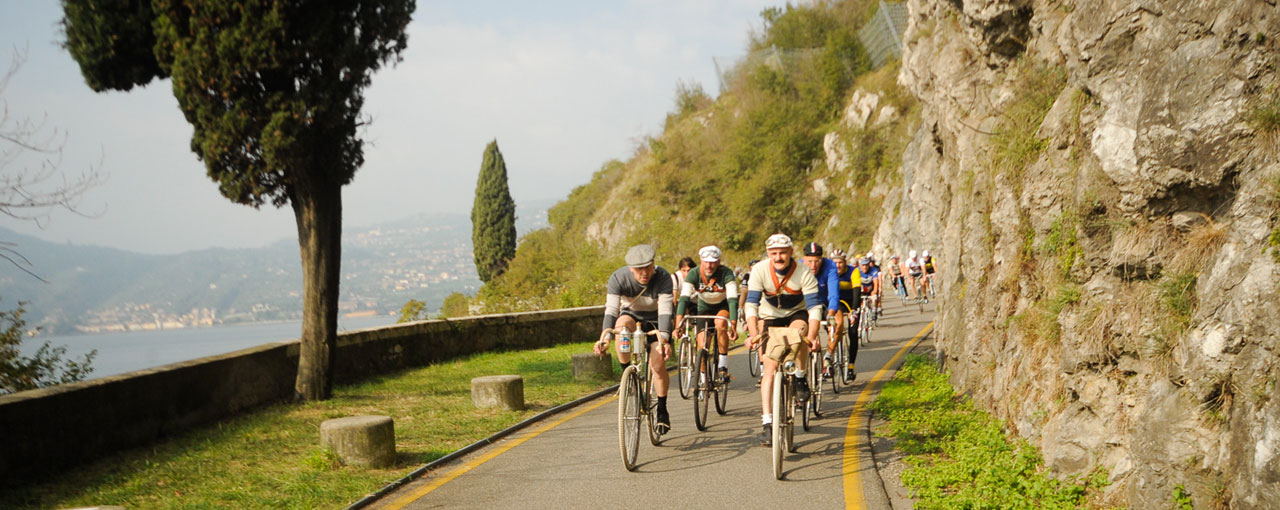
column 960, row 456
column 270, row 458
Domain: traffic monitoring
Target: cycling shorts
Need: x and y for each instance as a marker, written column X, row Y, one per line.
column 785, row 322
column 705, row 309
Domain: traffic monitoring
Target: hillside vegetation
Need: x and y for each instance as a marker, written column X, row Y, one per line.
column 730, row 170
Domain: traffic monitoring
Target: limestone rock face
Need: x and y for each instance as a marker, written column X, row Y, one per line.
column 1149, row 188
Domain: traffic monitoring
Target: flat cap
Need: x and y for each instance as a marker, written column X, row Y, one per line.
column 640, row 255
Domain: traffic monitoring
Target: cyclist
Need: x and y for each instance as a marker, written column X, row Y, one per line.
column 742, row 286
column 896, row 274
column 870, row 280
column 915, row 270
column 638, row 296
column 781, row 293
column 848, row 294
column 927, row 262
column 878, row 300
column 716, row 289
column 686, row 265
column 828, row 289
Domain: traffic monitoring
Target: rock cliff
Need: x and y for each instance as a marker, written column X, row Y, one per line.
column 1099, row 183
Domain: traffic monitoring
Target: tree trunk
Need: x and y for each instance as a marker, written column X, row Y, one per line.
column 318, row 211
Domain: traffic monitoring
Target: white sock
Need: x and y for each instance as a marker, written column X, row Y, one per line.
column 724, row 361
column 767, row 418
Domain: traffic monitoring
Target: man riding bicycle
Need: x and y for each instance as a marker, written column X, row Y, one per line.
column 639, row 296
column 927, row 262
column 781, row 294
column 870, row 280
column 716, row 289
column 878, row 298
column 828, row 290
column 897, row 274
column 915, row 273
column 849, row 293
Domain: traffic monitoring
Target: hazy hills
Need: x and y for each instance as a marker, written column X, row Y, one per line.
column 423, row 257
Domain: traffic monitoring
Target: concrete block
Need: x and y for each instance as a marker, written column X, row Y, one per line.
column 503, row 391
column 589, row 366
column 361, row 440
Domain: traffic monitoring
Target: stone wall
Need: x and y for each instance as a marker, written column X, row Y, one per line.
column 62, row 426
column 1094, row 182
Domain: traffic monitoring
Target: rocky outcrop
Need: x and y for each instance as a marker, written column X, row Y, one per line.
column 1103, row 253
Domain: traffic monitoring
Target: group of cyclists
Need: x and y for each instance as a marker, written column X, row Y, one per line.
column 777, row 291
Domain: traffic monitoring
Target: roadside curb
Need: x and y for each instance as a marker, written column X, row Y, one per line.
column 884, row 458
column 369, row 499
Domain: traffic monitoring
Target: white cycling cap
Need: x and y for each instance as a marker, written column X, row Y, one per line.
column 709, row 254
column 777, row 241
column 925, row 254
column 911, row 255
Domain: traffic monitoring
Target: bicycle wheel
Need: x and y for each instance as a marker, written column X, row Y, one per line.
column 701, row 388
column 790, row 432
column 806, row 409
column 629, row 417
column 685, row 363
column 866, row 333
column 650, row 402
column 753, row 362
column 815, row 385
column 779, row 415
column 837, row 365
column 721, row 396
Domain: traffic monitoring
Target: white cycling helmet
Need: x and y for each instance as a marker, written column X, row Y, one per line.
column 924, row 253
column 912, row 254
column 709, row 254
column 777, row 241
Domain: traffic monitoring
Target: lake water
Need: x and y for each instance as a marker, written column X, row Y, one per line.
column 135, row 350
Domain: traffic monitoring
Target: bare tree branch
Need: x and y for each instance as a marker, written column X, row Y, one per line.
column 32, row 184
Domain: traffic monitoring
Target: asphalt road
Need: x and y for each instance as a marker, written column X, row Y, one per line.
column 572, row 460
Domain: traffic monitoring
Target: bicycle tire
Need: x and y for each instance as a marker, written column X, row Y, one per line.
column 701, row 393
column 722, row 396
column 790, row 432
column 629, row 418
column 650, row 401
column 685, row 363
column 837, row 366
column 815, row 384
column 753, row 362
column 779, row 414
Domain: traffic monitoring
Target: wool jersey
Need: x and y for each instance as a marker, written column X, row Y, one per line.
column 651, row 302
column 721, row 286
column 769, row 300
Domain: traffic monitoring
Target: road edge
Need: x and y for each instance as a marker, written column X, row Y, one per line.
column 461, row 452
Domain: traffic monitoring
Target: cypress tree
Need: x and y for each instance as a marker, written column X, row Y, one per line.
column 493, row 217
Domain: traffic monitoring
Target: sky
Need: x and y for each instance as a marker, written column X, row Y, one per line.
column 563, row 86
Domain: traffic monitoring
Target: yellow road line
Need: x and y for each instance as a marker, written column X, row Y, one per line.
column 435, row 484
column 853, row 496
column 460, row 470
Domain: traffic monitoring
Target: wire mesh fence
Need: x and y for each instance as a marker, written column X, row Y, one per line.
column 881, row 36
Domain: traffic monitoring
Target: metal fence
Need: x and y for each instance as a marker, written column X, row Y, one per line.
column 882, row 38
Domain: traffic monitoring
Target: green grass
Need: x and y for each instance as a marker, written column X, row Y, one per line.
column 960, row 456
column 271, row 458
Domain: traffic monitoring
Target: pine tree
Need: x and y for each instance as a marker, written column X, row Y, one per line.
column 493, row 217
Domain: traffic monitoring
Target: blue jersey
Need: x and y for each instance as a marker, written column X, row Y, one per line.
column 868, row 278
column 828, row 284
